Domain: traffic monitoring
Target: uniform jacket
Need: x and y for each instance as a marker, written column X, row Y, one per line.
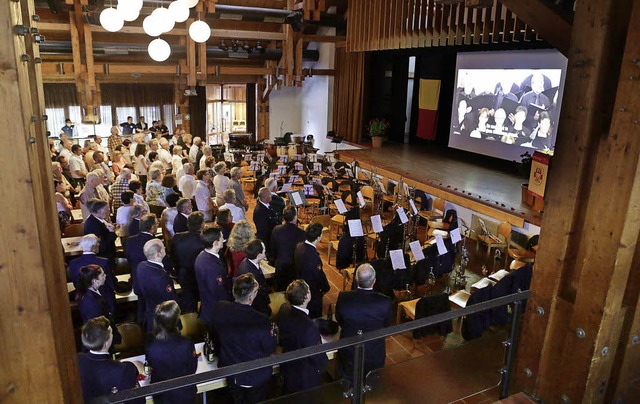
column 99, row 374
column 171, row 358
column 309, row 267
column 179, row 223
column 107, row 238
column 153, row 285
column 265, row 220
column 213, row 283
column 284, row 239
column 108, row 289
column 262, row 300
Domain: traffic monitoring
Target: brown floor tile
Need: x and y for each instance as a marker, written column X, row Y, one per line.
column 393, row 346
column 406, row 341
column 401, row 356
column 388, row 361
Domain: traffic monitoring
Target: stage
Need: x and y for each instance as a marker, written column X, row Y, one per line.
column 483, row 187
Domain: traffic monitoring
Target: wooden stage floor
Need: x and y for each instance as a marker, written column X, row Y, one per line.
column 456, row 178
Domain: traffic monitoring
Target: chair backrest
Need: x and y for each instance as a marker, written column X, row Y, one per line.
column 504, row 229
column 324, row 220
column 156, row 210
column 132, row 339
column 246, row 171
column 277, row 299
column 74, row 230
column 438, row 204
column 367, row 192
column 192, row 327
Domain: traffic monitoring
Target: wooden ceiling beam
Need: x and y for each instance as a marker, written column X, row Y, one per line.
column 240, row 34
column 547, row 22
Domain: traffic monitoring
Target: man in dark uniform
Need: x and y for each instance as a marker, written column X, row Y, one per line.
column 152, row 283
column 251, row 265
column 163, row 128
column 185, row 247
column 97, row 224
column 67, row 129
column 244, row 335
column 212, row 277
column 128, row 127
column 142, row 126
column 362, row 310
column 264, row 217
column 99, row 374
column 284, row 239
column 298, row 331
column 184, row 208
column 277, row 202
column 134, row 247
column 309, row 267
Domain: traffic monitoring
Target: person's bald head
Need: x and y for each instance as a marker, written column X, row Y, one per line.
column 366, row 276
column 265, row 195
column 154, row 250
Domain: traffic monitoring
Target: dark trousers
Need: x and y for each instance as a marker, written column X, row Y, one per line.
column 190, row 294
column 247, row 395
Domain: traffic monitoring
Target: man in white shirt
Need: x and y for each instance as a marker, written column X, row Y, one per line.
column 76, row 164
column 164, row 155
column 101, row 147
column 237, row 213
column 65, row 151
column 122, row 214
column 187, row 183
column 195, row 148
column 203, row 196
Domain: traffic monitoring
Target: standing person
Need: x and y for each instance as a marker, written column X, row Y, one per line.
column 128, row 128
column 176, row 161
column 284, row 239
column 220, row 181
column 239, row 238
column 138, row 194
column 251, row 265
column 165, row 156
column 211, row 275
column 114, row 140
column 185, row 248
column 298, row 331
column 118, row 188
column 134, row 248
column 142, row 126
column 234, row 183
column 141, row 163
column 89, row 192
column 229, row 197
column 309, row 267
column 277, row 202
column 67, row 129
column 155, row 190
column 244, row 335
column 184, row 209
column 94, row 297
column 97, row 224
column 152, row 283
column 264, row 217
column 194, row 151
column 362, row 310
column 187, row 183
column 204, row 203
column 171, row 355
column 63, row 205
column 123, row 214
column 76, row 165
column 99, row 374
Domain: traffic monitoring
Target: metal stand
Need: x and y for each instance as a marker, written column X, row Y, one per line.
column 510, row 352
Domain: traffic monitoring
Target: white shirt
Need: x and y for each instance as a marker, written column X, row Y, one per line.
column 103, row 149
column 306, row 311
column 176, row 163
column 193, row 153
column 237, row 213
column 76, row 163
column 220, row 183
column 165, row 157
column 310, row 243
column 202, row 195
column 168, row 216
column 140, row 168
column 122, row 219
column 187, row 185
column 66, row 153
column 139, row 200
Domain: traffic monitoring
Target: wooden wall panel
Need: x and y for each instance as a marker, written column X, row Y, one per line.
column 348, row 94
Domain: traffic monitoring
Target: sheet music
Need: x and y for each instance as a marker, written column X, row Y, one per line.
column 312, row 157
column 293, row 178
column 297, row 157
column 376, row 223
column 228, row 157
column 360, row 199
column 340, row 205
column 255, row 166
column 273, row 175
column 397, row 259
column 402, row 215
column 355, row 228
column 247, row 157
column 460, row 298
column 380, row 186
column 416, row 249
column 483, row 283
column 297, row 200
column 282, row 170
column 413, row 207
column 260, row 157
column 317, row 166
column 499, row 275
column 308, row 189
column 455, row 235
column 285, row 187
column 298, row 166
column 442, row 249
column 284, row 158
column 349, row 172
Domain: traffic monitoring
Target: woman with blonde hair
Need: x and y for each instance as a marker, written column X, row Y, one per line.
column 220, row 182
column 240, row 236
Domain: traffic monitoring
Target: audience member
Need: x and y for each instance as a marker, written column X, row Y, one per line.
column 277, row 202
column 169, row 214
column 184, row 209
column 203, row 196
column 234, row 183
column 124, row 212
column 155, row 190
column 114, row 140
column 137, row 211
column 309, row 267
column 255, row 253
column 229, row 197
column 164, row 155
column 141, row 163
column 119, row 187
column 284, row 239
column 176, row 161
column 206, row 152
column 134, row 247
column 185, row 248
column 76, row 164
column 239, row 237
column 220, row 182
column 94, row 299
column 138, row 192
column 264, row 217
column 97, row 224
column 187, row 184
column 194, row 151
column 224, row 220
column 63, row 205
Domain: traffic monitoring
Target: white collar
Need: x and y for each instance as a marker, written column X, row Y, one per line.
column 306, row 311
column 257, row 264
column 266, row 205
column 217, row 255
column 89, row 253
column 146, row 232
column 187, row 216
column 98, row 352
column 310, row 243
column 364, row 288
column 157, row 263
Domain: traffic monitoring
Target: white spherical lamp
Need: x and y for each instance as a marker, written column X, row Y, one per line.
column 179, row 10
column 111, row 20
column 159, row 50
column 129, row 9
column 199, row 31
column 150, row 26
column 192, row 3
column 164, row 19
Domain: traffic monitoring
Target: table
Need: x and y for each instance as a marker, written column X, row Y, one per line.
column 268, row 270
column 76, row 215
column 121, row 297
column 72, row 249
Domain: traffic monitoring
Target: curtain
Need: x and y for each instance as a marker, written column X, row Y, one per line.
column 60, row 102
column 198, row 111
column 348, row 94
column 154, row 101
column 251, row 109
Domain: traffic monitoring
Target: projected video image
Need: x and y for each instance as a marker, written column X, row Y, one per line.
column 511, row 106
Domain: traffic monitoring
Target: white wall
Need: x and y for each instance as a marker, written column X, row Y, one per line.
column 284, row 106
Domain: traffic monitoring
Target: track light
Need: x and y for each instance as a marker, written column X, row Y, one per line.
column 235, row 46
column 223, row 46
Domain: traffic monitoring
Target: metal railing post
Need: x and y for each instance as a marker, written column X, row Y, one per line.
column 358, row 374
column 510, row 352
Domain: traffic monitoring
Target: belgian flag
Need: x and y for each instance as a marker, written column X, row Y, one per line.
column 428, row 109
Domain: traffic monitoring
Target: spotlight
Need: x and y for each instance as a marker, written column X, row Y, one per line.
column 223, row 46
column 295, row 20
column 235, row 46
column 259, row 47
column 247, row 48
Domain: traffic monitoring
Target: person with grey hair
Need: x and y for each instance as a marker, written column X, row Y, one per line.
column 134, row 247
column 234, row 183
column 194, row 151
column 362, row 310
column 89, row 192
column 187, row 183
column 152, row 283
column 230, row 322
column 298, row 331
column 184, row 209
column 136, row 212
column 277, row 202
column 264, row 217
column 229, row 197
column 204, row 202
column 155, row 190
column 207, row 151
column 176, row 161
column 97, row 224
column 220, row 181
column 164, row 155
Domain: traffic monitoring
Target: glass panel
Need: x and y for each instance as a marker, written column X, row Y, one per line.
column 123, row 112
column 448, row 375
column 214, row 92
column 327, row 393
column 105, row 115
column 75, row 114
column 150, row 113
column 235, row 92
column 55, row 121
column 167, row 116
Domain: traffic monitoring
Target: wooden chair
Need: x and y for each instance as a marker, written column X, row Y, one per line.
column 156, row 210
column 337, row 222
column 368, row 195
column 248, row 176
column 132, row 343
column 347, row 274
column 493, row 241
column 333, row 245
column 277, row 299
column 518, row 254
column 74, row 230
column 192, row 327
column 325, row 221
column 437, row 211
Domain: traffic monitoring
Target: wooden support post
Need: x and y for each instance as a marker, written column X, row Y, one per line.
column 263, row 111
column 192, row 77
column 35, row 325
column 583, row 289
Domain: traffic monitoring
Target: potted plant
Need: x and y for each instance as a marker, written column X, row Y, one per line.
column 377, row 128
column 524, row 170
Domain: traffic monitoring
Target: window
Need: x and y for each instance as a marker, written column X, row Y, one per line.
column 226, row 108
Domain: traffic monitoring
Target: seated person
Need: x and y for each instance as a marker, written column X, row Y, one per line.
column 99, row 374
column 345, row 253
column 171, row 355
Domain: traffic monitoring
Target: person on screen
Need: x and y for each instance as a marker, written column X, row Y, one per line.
column 519, row 133
column 535, row 101
column 463, row 122
column 498, row 128
column 541, row 136
column 483, row 118
column 466, row 91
